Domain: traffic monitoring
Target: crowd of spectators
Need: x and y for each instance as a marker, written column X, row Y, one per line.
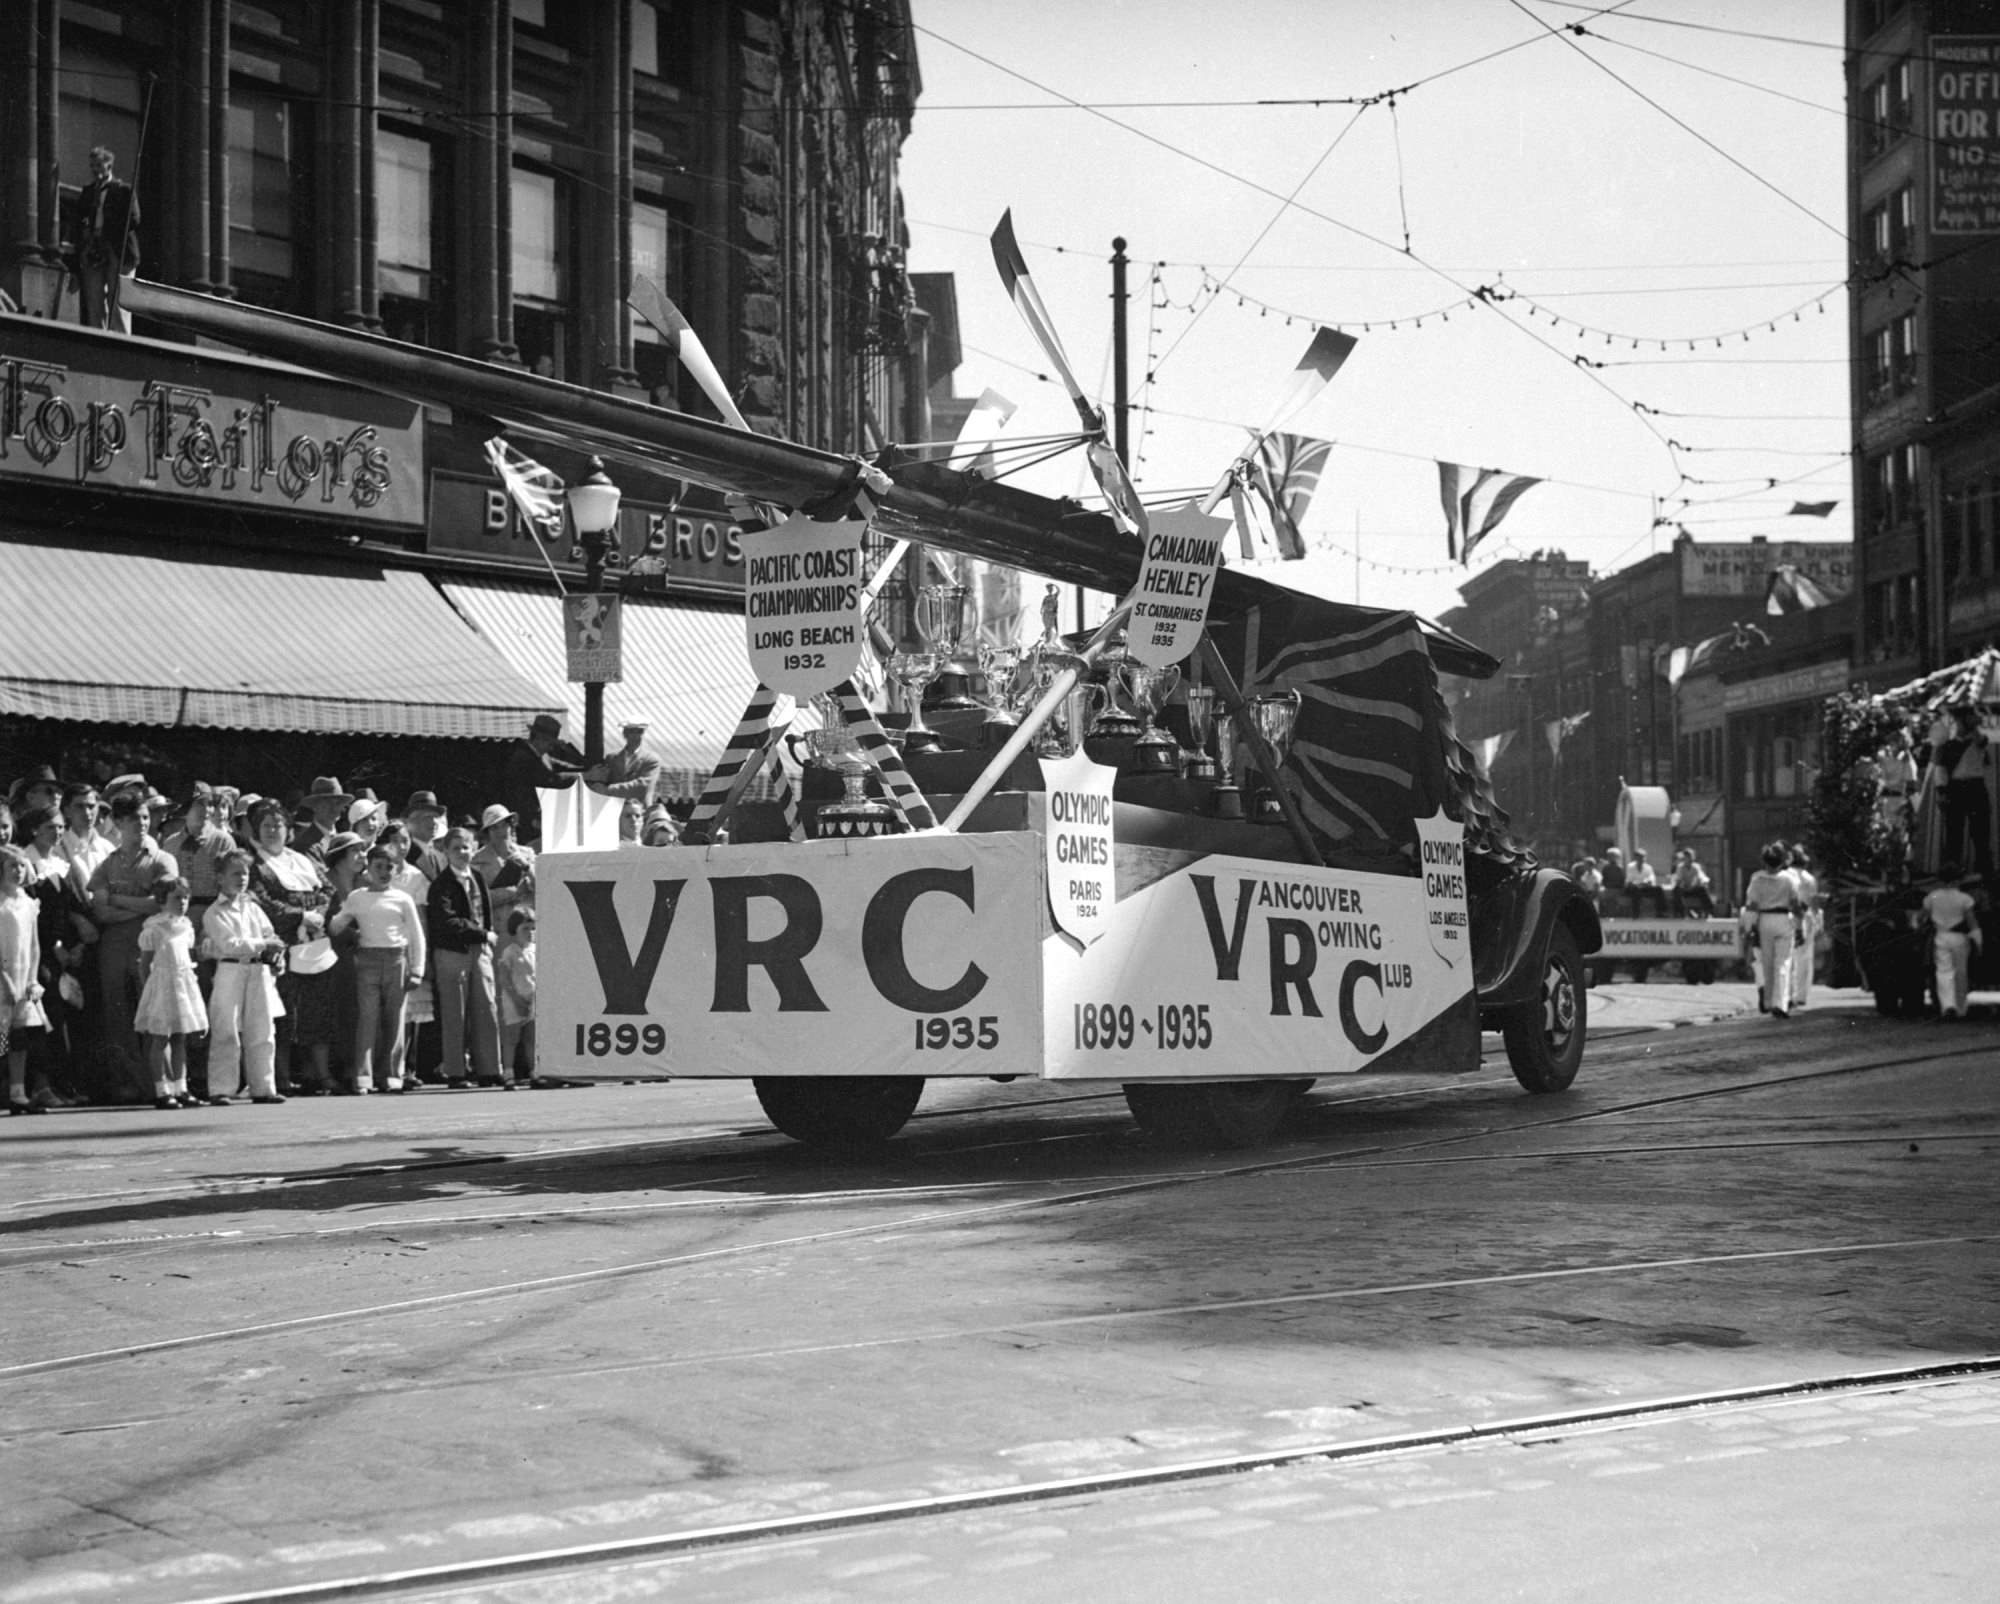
column 220, row 945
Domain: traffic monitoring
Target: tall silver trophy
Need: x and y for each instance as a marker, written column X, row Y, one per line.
column 944, row 619
column 1200, row 703
column 1227, row 801
column 1155, row 751
column 1277, row 715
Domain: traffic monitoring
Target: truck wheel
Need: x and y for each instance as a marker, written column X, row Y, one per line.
column 1545, row 1037
column 839, row 1111
column 1210, row 1113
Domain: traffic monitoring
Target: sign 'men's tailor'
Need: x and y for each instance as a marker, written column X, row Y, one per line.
column 162, row 420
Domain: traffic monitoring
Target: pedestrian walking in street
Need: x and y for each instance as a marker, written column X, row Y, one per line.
column 21, row 1015
column 389, row 962
column 1807, row 936
column 1955, row 936
column 170, row 1007
column 462, row 940
column 1769, row 920
column 516, row 979
column 244, row 1007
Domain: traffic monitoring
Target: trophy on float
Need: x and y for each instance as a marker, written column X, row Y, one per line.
column 1200, row 701
column 1006, row 670
column 1277, row 715
column 1155, row 751
column 943, row 619
column 833, row 746
column 1227, row 801
column 910, row 672
column 1116, row 723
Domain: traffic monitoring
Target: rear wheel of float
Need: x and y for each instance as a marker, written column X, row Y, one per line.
column 837, row 1111
column 1545, row 1037
column 1211, row 1113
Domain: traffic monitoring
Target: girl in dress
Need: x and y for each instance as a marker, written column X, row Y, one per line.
column 170, row 1006
column 515, row 974
column 20, row 987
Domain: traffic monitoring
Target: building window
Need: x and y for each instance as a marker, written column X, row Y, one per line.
column 541, row 272
column 1890, row 626
column 270, row 183
column 405, row 222
column 1875, row 230
column 659, row 252
column 662, row 42
column 1875, row 126
column 1902, row 98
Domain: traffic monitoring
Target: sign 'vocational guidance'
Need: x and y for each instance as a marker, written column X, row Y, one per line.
column 1176, row 581
column 1079, row 845
column 802, row 603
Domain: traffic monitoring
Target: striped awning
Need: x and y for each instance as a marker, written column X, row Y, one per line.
column 128, row 634
column 686, row 674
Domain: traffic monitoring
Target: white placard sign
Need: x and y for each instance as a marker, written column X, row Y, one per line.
column 1441, row 855
column 793, row 958
column 1176, row 581
column 1080, row 847
column 802, row 603
column 1240, row 968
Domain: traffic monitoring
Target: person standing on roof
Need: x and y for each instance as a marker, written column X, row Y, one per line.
column 1959, row 767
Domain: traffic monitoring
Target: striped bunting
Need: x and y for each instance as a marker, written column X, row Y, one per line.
column 745, row 749
column 788, row 799
column 1285, row 471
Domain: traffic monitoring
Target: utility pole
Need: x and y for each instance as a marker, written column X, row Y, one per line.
column 1121, row 426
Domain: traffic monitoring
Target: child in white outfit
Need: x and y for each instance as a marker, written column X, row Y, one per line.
column 170, row 1006
column 237, row 934
column 21, row 1012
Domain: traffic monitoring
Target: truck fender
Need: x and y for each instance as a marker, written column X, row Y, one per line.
column 1523, row 913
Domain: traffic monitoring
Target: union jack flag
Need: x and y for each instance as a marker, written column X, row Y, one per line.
column 1284, row 470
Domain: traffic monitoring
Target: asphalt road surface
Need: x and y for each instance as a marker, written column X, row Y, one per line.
column 1719, row 1322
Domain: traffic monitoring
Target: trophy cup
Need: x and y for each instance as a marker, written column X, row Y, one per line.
column 1074, row 721
column 1277, row 715
column 1201, row 720
column 1155, row 751
column 1005, row 669
column 856, row 814
column 941, row 620
column 1115, row 723
column 911, row 672
column 1227, row 800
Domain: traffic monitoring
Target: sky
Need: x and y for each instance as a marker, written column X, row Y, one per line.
column 1673, row 176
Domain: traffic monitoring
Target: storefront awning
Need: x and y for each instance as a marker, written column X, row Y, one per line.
column 686, row 673
column 126, row 634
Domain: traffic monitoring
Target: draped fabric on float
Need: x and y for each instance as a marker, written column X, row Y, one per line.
column 1368, row 749
column 1284, row 470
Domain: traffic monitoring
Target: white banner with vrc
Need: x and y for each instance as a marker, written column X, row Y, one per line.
column 1237, row 968
column 912, row 956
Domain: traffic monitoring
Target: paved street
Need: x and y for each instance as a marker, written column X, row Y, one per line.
column 257, row 1348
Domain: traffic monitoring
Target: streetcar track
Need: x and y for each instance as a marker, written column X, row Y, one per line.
column 947, row 1217
column 774, row 1531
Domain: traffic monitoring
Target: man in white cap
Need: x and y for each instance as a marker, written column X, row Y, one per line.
column 632, row 772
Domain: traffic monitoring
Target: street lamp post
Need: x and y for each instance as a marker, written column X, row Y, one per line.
column 593, row 509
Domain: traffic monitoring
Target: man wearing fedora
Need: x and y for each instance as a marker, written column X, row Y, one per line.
column 423, row 815
column 539, row 761
column 328, row 803
column 38, row 788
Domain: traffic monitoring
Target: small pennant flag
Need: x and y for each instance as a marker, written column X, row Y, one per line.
column 651, row 303
column 1020, row 287
column 1812, row 509
column 1321, row 362
column 1677, row 664
column 1284, row 470
column 1475, row 500
column 1790, row 591
column 1487, row 750
column 989, row 415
